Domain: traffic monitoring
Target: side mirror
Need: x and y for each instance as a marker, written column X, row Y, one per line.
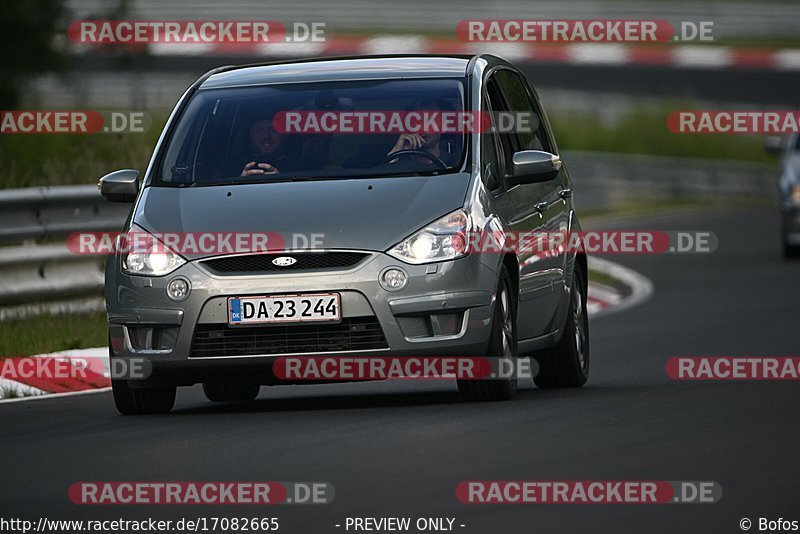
column 534, row 166
column 120, row 186
column 773, row 144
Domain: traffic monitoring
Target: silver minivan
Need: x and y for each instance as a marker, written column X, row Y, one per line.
column 368, row 234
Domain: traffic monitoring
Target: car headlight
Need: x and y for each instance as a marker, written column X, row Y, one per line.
column 145, row 255
column 444, row 239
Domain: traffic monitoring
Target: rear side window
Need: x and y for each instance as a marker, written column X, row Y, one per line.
column 498, row 105
column 532, row 135
column 491, row 164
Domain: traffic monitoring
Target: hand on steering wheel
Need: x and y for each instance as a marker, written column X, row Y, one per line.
column 261, row 168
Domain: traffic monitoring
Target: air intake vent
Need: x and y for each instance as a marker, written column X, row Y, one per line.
column 355, row 333
column 264, row 263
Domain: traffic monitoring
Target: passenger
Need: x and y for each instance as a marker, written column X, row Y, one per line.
column 434, row 143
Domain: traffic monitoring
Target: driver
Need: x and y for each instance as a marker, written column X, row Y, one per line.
column 267, row 144
column 264, row 155
column 431, row 142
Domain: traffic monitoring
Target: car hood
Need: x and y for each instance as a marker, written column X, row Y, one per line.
column 363, row 214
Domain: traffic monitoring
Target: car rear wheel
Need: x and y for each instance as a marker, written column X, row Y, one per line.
column 136, row 401
column 230, row 391
column 567, row 364
column 502, row 344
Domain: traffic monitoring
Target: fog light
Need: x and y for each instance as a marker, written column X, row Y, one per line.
column 178, row 288
column 393, row 279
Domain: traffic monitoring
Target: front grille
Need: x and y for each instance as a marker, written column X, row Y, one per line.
column 356, row 333
column 306, row 261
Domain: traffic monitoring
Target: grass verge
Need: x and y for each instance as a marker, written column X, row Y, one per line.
column 45, row 159
column 643, row 130
column 51, row 333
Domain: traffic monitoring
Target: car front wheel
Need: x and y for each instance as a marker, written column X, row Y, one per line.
column 790, row 250
column 502, row 344
column 140, row 401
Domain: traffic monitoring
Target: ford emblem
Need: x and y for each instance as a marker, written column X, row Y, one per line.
column 284, row 261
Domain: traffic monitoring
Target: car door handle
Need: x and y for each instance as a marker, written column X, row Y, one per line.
column 540, row 206
column 565, row 193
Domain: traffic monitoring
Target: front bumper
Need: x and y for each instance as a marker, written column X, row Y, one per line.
column 408, row 319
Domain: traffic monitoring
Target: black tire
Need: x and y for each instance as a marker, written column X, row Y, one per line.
column 790, row 252
column 502, row 343
column 135, row 401
column 567, row 364
column 230, row 391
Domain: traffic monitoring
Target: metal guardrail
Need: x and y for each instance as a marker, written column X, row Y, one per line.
column 31, row 273
column 49, row 272
column 44, row 213
column 604, row 180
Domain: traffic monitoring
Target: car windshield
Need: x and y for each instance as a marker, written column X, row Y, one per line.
column 313, row 131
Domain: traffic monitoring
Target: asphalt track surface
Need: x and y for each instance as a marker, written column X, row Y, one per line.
column 399, row 448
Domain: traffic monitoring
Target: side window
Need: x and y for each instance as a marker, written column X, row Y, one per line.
column 503, row 140
column 530, row 133
column 490, row 161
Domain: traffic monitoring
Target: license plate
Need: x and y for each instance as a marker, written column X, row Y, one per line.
column 284, row 309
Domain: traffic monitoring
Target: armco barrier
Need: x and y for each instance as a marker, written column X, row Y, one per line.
column 46, row 273
column 604, row 180
column 44, row 213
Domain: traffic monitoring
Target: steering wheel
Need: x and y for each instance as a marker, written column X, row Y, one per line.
column 411, row 152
